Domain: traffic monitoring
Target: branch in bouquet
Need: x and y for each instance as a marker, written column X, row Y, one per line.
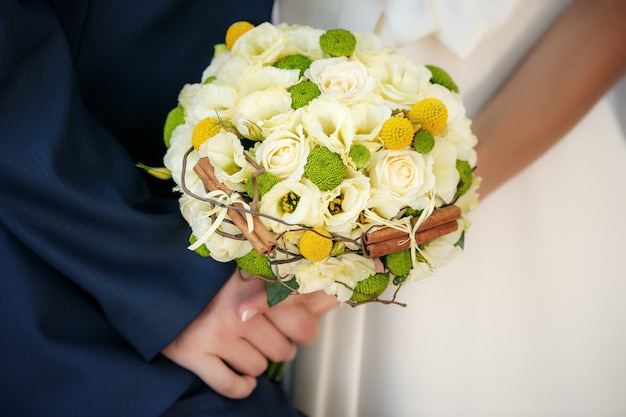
column 260, row 238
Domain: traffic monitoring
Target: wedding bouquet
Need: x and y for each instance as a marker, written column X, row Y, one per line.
column 307, row 156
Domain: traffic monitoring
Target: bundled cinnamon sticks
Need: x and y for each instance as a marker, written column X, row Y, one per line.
column 388, row 240
column 260, row 238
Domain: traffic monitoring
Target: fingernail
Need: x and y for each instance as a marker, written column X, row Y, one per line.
column 248, row 314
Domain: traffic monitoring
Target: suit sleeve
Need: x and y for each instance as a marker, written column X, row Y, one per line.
column 70, row 192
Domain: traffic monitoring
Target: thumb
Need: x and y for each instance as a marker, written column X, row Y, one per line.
column 255, row 303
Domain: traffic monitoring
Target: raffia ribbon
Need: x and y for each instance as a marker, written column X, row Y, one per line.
column 388, row 240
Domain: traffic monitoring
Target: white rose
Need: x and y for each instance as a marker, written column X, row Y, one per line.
column 225, row 152
column 262, row 108
column 329, row 123
column 400, row 178
column 343, row 205
column 212, row 100
column 347, row 81
column 283, row 153
column 259, row 78
column 262, row 44
column 303, row 40
column 335, row 276
column 399, row 81
column 444, row 168
column 293, row 202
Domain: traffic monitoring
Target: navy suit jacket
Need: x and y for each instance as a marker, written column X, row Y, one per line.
column 95, row 275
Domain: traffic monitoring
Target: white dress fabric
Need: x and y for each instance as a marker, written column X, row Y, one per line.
column 530, row 320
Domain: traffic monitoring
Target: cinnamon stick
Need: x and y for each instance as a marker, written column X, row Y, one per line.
column 437, row 217
column 261, row 239
column 385, row 247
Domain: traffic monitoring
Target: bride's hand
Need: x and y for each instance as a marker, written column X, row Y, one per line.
column 229, row 344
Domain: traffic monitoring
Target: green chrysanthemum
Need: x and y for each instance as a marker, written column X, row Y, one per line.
column 264, row 183
column 369, row 288
column 302, row 93
column 399, row 263
column 465, row 182
column 175, row 117
column 324, row 168
column 360, row 155
column 202, row 250
column 296, row 61
column 338, row 42
column 441, row 77
column 255, row 264
column 423, row 141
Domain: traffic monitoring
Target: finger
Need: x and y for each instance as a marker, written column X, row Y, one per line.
column 252, row 306
column 296, row 322
column 242, row 357
column 269, row 340
column 216, row 374
column 318, row 302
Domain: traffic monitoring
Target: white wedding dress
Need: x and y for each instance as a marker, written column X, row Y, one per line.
column 531, row 319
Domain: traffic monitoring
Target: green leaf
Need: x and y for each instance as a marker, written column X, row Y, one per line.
column 461, row 242
column 274, row 371
column 278, row 291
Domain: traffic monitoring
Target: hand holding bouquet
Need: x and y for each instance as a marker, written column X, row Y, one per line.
column 307, row 155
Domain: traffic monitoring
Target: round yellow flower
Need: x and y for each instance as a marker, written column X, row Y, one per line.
column 316, row 245
column 429, row 114
column 205, row 129
column 396, row 133
column 235, row 30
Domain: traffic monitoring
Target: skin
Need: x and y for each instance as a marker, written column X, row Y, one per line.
column 229, row 344
column 564, row 75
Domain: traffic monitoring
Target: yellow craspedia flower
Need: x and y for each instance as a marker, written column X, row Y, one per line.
column 314, row 247
column 205, row 129
column 429, row 114
column 235, row 30
column 396, row 133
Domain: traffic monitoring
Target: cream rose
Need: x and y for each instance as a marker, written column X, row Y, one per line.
column 398, row 179
column 345, row 80
column 283, row 153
